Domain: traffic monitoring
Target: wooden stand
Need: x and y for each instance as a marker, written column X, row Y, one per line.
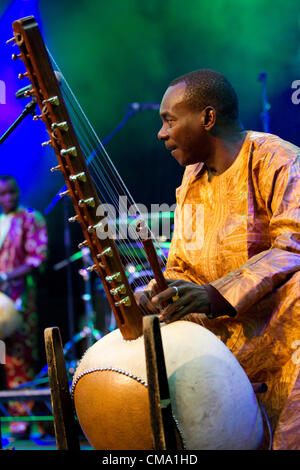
column 65, row 425
column 162, row 422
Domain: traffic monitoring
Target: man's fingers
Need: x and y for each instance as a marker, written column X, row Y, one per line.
column 148, row 305
column 167, row 316
column 165, row 295
column 144, row 302
column 152, row 287
column 173, row 309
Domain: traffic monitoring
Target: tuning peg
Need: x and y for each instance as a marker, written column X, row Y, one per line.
column 54, row 100
column 64, row 193
column 83, row 244
column 44, row 144
column 114, row 277
column 16, row 56
column 23, row 75
column 55, row 168
column 119, row 290
column 60, row 125
column 91, row 268
column 71, row 151
column 37, row 117
column 87, row 202
column 75, row 218
column 79, row 176
column 106, row 252
column 29, row 93
column 11, row 40
column 99, row 226
column 126, row 302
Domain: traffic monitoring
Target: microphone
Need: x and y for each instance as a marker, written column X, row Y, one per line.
column 143, row 106
column 21, row 93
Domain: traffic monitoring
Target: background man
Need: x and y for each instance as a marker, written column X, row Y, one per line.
column 23, row 248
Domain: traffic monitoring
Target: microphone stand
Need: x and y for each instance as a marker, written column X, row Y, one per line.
column 70, row 302
column 262, row 77
column 29, row 109
column 91, row 332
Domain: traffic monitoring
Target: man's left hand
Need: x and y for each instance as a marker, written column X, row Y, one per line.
column 190, row 298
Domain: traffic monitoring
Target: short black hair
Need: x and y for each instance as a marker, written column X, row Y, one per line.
column 9, row 178
column 206, row 87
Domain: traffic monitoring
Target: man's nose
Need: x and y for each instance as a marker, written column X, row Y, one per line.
column 162, row 133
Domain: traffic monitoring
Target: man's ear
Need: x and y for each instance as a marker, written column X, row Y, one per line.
column 209, row 117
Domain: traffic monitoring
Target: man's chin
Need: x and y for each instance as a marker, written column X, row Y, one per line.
column 183, row 160
column 178, row 156
column 9, row 209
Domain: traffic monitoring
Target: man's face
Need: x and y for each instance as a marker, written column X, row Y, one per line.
column 182, row 130
column 9, row 196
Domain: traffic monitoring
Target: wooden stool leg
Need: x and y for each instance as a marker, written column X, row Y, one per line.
column 162, row 422
column 65, row 425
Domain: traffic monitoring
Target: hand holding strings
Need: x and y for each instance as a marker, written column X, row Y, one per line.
column 183, row 297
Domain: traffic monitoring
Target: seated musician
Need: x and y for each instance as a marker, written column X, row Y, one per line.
column 23, row 248
column 237, row 272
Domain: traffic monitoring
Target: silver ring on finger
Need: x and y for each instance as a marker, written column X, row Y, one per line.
column 176, row 296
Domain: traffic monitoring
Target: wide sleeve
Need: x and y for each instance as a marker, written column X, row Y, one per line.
column 279, row 187
column 35, row 239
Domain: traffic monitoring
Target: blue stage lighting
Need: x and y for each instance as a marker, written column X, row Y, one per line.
column 21, row 154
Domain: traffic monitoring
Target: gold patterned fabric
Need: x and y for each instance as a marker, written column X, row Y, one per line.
column 241, row 234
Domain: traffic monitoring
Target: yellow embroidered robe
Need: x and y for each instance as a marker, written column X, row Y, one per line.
column 240, row 232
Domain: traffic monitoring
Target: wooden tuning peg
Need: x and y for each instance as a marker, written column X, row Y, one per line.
column 11, row 40
column 21, row 76
column 64, row 193
column 44, row 144
column 55, row 168
column 75, row 218
column 16, row 56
